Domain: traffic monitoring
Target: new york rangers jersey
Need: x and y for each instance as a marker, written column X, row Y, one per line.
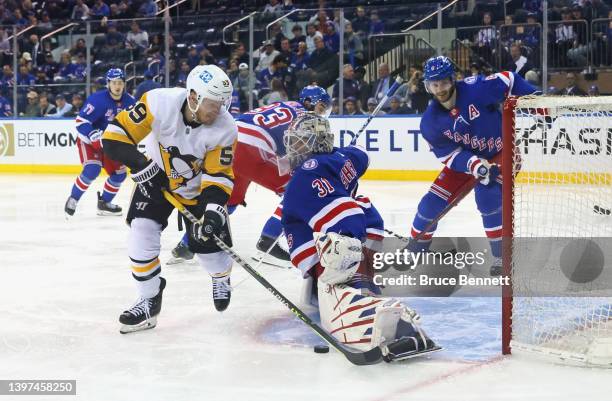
column 264, row 127
column 320, row 197
column 99, row 109
column 473, row 126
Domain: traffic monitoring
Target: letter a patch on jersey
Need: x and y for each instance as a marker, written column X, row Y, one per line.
column 474, row 113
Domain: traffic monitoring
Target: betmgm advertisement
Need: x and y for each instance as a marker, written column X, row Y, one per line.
column 38, row 146
column 7, row 140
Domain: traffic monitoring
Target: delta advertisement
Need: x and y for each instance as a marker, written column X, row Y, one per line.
column 396, row 148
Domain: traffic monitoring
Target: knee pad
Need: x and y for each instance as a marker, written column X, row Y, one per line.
column 91, row 171
column 144, row 241
column 215, row 263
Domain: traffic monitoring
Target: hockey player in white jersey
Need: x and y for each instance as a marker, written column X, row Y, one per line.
column 189, row 136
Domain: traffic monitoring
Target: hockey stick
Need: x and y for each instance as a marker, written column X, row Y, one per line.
column 390, row 92
column 396, row 235
column 370, row 357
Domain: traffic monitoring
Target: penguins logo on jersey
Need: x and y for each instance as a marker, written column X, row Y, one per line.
column 179, row 168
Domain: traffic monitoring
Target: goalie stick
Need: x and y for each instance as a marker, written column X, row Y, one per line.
column 370, row 357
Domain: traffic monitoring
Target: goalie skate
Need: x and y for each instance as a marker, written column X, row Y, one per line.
column 408, row 347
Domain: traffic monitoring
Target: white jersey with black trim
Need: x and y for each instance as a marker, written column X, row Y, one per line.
column 193, row 156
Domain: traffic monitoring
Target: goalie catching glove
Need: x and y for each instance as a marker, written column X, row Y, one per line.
column 339, row 255
column 214, row 219
column 482, row 170
column 151, row 180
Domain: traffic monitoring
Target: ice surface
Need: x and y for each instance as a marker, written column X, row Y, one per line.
column 64, row 284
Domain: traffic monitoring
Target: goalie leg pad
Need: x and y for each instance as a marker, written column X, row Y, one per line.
column 364, row 322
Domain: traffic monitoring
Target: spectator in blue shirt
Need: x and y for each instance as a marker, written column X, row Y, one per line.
column 146, row 85
column 331, row 37
column 6, row 110
column 19, row 19
column 277, row 69
column 50, row 66
column 66, row 70
column 148, row 9
column 24, row 78
column 376, row 25
column 114, row 38
column 7, row 79
column 99, row 10
column 299, row 59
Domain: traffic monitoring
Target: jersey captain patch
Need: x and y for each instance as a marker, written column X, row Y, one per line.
column 474, row 113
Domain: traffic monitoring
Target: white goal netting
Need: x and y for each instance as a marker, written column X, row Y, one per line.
column 562, row 229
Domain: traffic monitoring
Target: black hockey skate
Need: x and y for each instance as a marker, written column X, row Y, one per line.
column 70, row 206
column 276, row 256
column 222, row 292
column 143, row 315
column 412, row 343
column 180, row 254
column 107, row 208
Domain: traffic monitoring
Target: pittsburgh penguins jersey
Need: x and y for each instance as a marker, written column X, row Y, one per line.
column 320, row 198
column 99, row 110
column 473, row 126
column 193, row 156
column 264, row 127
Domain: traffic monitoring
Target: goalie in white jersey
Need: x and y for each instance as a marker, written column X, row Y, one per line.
column 190, row 137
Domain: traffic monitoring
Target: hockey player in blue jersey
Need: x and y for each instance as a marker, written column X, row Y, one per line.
column 462, row 125
column 99, row 109
column 327, row 227
column 260, row 143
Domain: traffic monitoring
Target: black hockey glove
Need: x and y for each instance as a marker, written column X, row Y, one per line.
column 215, row 217
column 151, row 180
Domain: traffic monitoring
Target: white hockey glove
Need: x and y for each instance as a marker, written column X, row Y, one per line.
column 484, row 171
column 339, row 255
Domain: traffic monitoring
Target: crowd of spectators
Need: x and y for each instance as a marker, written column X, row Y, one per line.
column 516, row 43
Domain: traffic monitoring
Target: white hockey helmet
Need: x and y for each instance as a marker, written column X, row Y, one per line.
column 209, row 82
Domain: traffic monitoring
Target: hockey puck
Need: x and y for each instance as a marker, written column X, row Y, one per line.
column 601, row 210
column 321, row 349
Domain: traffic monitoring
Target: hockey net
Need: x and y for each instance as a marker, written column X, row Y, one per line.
column 558, row 228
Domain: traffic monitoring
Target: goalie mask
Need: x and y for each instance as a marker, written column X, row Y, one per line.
column 306, row 135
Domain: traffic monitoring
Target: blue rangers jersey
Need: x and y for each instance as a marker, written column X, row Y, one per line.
column 264, row 127
column 320, row 198
column 473, row 126
column 99, row 109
